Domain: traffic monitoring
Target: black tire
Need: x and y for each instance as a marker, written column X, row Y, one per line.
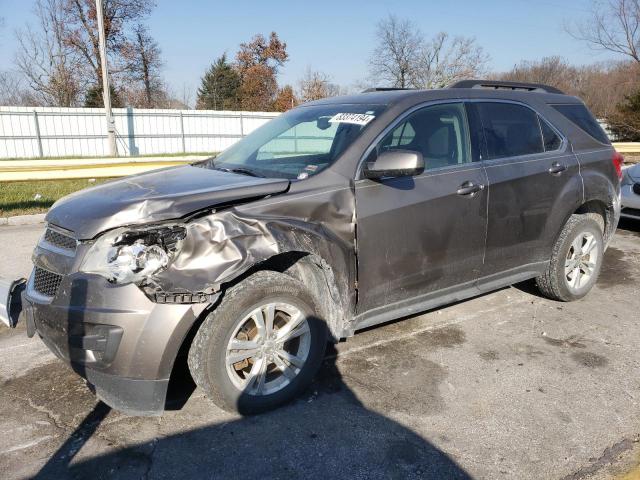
column 553, row 283
column 207, row 355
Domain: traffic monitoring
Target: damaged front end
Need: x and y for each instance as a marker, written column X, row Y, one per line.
column 132, row 267
column 191, row 261
column 137, row 255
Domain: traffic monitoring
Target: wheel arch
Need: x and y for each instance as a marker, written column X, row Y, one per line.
column 317, row 275
column 601, row 197
column 309, row 268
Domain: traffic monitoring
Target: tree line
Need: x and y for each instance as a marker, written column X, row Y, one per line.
column 58, row 57
column 58, row 64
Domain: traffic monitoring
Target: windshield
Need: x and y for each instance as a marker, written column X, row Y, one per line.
column 299, row 143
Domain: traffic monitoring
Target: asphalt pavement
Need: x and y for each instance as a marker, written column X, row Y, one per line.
column 507, row 385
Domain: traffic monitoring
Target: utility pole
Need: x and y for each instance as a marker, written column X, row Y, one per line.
column 106, row 89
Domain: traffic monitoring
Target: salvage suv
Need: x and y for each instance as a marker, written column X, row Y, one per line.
column 338, row 215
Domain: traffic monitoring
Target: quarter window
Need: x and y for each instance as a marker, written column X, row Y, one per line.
column 438, row 132
column 509, row 130
column 551, row 139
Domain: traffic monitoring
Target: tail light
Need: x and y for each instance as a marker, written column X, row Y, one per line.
column 618, row 161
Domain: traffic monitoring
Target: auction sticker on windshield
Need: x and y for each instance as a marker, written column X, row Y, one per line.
column 354, row 118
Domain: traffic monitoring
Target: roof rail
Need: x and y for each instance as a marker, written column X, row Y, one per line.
column 385, row 89
column 505, row 85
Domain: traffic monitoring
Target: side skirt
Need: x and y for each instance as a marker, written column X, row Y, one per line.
column 431, row 300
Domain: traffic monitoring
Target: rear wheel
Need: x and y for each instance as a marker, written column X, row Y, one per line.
column 262, row 345
column 576, row 260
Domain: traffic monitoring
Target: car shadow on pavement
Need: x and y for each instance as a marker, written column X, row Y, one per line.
column 629, row 225
column 327, row 433
column 626, row 226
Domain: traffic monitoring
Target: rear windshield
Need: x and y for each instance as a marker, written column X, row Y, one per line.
column 580, row 115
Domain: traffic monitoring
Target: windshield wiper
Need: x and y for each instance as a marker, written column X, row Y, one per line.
column 240, row 170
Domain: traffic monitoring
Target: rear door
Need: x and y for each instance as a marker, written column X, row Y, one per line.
column 421, row 234
column 528, row 166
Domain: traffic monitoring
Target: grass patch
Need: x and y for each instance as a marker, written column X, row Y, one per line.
column 24, row 198
column 150, row 155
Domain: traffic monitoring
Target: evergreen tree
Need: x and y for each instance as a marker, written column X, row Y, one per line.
column 93, row 97
column 219, row 89
column 624, row 122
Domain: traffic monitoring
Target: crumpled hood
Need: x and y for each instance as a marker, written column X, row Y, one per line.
column 155, row 196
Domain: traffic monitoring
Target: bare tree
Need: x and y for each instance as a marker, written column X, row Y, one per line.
column 614, row 26
column 316, row 85
column 397, row 53
column 51, row 68
column 405, row 58
column 60, row 56
column 445, row 59
column 602, row 86
column 143, row 65
column 81, row 31
column 554, row 71
column 12, row 92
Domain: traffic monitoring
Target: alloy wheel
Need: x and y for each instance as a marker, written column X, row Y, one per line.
column 268, row 348
column 582, row 261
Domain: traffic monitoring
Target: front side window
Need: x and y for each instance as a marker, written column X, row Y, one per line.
column 299, row 143
column 509, row 130
column 438, row 132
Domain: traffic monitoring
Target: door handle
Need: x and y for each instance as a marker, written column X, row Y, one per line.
column 557, row 168
column 469, row 188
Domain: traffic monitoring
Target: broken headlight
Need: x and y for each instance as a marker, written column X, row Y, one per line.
column 133, row 255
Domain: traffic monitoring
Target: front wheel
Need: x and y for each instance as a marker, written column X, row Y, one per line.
column 261, row 346
column 575, row 262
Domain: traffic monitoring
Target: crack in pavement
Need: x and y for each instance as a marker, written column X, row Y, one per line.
column 154, row 444
column 608, row 457
column 39, row 408
column 78, row 432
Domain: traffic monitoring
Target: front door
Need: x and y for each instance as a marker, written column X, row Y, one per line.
column 420, row 234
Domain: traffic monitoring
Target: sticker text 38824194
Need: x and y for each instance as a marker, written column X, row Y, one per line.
column 354, row 118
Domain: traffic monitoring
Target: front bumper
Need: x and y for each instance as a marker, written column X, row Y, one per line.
column 11, row 301
column 114, row 336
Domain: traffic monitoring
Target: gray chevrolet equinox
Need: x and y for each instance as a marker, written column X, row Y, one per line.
column 338, row 215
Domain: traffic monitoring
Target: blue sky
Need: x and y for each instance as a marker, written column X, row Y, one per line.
column 337, row 36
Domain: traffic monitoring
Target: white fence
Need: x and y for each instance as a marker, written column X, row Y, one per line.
column 27, row 132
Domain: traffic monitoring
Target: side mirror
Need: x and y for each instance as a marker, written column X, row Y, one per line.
column 395, row 163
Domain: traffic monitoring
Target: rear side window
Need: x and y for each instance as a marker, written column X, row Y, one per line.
column 552, row 140
column 509, row 130
column 580, row 115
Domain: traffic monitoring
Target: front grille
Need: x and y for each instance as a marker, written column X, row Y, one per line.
column 45, row 282
column 59, row 240
column 636, row 188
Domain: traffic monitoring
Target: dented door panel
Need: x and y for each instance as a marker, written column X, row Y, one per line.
column 417, row 235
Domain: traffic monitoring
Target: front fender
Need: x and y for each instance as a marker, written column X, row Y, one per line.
column 221, row 247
